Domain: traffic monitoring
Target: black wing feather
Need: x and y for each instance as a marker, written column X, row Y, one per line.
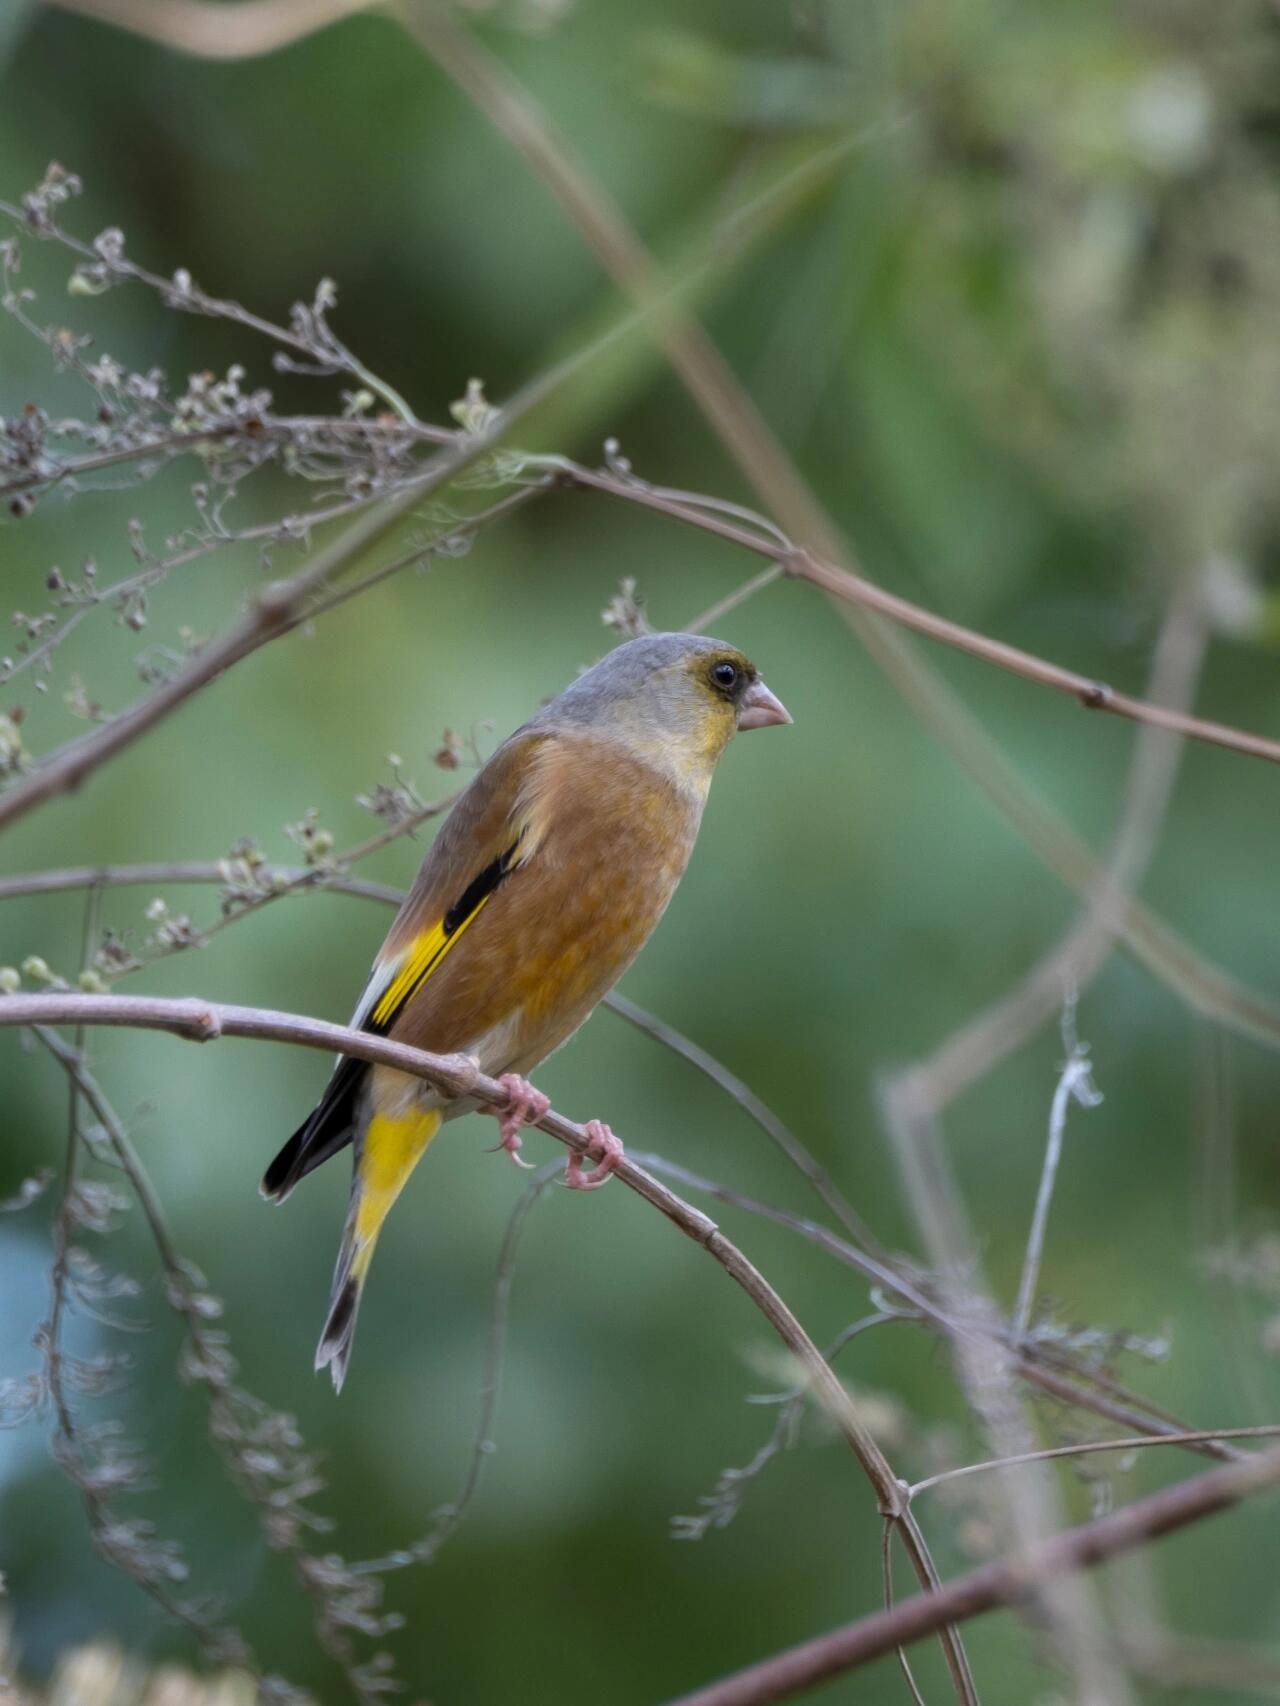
column 332, row 1124
column 327, row 1129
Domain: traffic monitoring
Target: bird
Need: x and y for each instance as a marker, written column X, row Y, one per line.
column 546, row 879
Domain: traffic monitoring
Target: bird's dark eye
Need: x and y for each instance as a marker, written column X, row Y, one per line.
column 725, row 675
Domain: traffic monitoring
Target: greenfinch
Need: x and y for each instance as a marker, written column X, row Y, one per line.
column 544, row 883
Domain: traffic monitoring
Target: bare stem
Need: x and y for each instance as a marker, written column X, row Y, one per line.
column 325, row 1581
column 1071, row 1386
column 779, row 1133
column 130, row 1547
column 1075, row 1083
column 275, row 611
column 1135, row 1442
column 1006, row 1582
column 857, row 590
column 449, row 1517
column 458, row 1075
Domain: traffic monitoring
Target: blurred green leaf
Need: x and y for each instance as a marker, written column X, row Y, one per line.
column 706, row 80
column 15, row 18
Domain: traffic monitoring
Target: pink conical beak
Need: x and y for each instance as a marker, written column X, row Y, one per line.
column 760, row 709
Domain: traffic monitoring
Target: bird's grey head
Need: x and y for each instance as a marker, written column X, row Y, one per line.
column 674, row 698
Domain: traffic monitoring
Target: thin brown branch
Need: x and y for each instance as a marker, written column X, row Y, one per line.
column 449, row 1517
column 131, row 1547
column 195, row 871
column 265, row 885
column 1204, row 986
column 1127, row 1409
column 1085, row 1448
column 323, row 350
column 266, row 533
column 732, row 600
column 457, row 1075
column 1074, row 1388
column 1044, row 1367
column 856, row 589
column 1023, row 1506
column 721, row 1505
column 262, row 429
column 464, row 527
column 780, row 1134
column 214, row 31
column 1007, row 1582
column 279, row 608
column 286, row 883
column 270, row 614
column 282, row 1515
column 886, row 1575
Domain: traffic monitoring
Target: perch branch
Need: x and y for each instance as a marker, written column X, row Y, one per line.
column 1071, row 1386
column 457, row 1075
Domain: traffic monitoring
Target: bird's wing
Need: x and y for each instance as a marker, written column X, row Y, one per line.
column 481, row 842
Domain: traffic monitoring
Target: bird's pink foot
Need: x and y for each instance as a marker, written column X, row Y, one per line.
column 525, row 1106
column 603, row 1144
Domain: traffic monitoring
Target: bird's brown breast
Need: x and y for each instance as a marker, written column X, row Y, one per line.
column 611, row 838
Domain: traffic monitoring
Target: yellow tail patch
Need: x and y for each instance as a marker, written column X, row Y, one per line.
column 391, row 1149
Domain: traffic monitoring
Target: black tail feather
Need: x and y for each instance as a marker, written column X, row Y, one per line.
column 334, row 1349
column 328, row 1129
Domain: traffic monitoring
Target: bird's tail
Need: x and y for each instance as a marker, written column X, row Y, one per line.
column 389, row 1151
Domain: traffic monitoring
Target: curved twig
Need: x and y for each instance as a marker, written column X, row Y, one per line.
column 1085, row 1448
column 458, row 1075
column 1005, row 1582
column 1068, row 1385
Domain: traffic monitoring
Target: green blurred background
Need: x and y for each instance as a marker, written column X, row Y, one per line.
column 1016, row 321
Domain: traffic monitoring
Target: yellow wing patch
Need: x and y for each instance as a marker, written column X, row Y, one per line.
column 423, row 956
